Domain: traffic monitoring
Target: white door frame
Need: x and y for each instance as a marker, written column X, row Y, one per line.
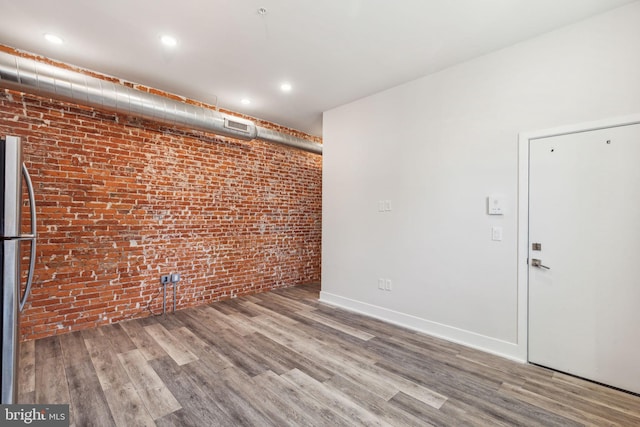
column 524, row 139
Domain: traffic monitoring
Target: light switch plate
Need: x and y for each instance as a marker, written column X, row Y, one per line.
column 496, row 234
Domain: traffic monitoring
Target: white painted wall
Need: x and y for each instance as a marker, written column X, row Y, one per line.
column 436, row 148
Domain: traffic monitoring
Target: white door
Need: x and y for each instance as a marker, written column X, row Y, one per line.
column 584, row 212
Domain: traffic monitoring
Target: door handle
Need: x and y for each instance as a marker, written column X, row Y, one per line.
column 32, row 236
column 538, row 263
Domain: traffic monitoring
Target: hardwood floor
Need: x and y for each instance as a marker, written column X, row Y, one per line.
column 282, row 358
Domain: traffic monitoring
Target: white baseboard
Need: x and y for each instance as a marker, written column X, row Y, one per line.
column 459, row 336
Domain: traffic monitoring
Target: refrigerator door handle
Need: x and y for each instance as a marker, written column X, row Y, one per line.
column 32, row 236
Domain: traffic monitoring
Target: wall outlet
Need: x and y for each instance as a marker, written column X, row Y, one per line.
column 175, row 277
column 164, row 279
column 385, row 284
column 384, row 205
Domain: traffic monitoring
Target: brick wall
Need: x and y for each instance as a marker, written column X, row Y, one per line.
column 122, row 201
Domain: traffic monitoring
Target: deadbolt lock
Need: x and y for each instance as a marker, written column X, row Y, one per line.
column 536, row 246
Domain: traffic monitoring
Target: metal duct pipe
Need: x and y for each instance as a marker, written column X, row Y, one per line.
column 31, row 76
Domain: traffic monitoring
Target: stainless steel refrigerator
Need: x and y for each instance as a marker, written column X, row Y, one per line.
column 12, row 299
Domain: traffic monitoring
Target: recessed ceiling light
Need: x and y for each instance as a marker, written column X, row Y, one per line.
column 52, row 38
column 168, row 40
column 285, row 87
column 246, row 101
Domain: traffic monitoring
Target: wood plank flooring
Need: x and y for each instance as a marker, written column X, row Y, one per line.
column 284, row 359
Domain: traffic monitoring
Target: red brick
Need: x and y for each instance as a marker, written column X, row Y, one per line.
column 122, row 201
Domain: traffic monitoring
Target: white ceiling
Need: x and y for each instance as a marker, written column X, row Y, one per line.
column 331, row 51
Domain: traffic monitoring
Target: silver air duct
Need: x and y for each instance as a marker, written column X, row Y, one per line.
column 31, row 76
